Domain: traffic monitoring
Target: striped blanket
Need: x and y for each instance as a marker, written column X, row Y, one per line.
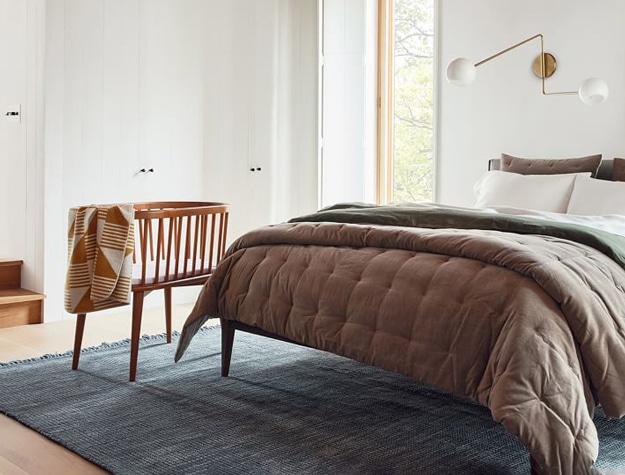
column 100, row 247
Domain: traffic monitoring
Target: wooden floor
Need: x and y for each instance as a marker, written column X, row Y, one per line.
column 23, row 451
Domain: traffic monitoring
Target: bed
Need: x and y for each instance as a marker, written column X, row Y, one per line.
column 523, row 314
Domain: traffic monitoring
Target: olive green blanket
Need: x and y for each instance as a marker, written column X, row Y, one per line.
column 442, row 217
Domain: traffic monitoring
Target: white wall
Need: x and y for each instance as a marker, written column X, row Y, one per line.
column 199, row 90
column 21, row 156
column 503, row 111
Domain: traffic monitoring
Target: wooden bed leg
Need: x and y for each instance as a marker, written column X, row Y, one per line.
column 80, row 329
column 227, row 341
column 534, row 467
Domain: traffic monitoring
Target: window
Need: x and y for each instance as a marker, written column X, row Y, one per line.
column 377, row 100
column 406, row 100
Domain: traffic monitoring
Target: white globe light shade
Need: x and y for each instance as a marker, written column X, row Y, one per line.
column 593, row 91
column 461, row 72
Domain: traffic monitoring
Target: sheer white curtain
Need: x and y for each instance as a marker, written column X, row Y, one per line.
column 349, row 101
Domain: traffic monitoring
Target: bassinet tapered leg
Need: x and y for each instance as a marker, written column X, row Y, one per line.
column 137, row 311
column 168, row 313
column 80, row 329
column 227, row 341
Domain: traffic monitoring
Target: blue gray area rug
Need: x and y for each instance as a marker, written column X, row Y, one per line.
column 284, row 410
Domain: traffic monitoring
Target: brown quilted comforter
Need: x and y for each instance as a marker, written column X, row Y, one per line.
column 531, row 326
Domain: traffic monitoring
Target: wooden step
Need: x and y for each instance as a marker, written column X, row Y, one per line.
column 20, row 307
column 10, row 273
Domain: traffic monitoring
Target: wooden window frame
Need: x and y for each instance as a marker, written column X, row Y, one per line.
column 385, row 106
column 385, row 101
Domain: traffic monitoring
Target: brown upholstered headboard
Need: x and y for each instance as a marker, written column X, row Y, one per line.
column 604, row 173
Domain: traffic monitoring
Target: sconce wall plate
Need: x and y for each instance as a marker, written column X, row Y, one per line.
column 550, row 65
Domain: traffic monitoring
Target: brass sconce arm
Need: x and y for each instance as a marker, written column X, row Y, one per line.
column 504, row 51
column 541, row 61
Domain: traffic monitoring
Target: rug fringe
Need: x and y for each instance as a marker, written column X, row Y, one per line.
column 161, row 337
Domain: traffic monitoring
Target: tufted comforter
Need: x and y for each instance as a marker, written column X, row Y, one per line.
column 530, row 325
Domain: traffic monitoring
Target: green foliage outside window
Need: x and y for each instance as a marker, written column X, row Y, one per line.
column 413, row 159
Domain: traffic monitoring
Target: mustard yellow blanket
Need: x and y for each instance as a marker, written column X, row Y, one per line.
column 100, row 247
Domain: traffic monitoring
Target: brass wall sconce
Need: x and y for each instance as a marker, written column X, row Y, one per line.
column 461, row 72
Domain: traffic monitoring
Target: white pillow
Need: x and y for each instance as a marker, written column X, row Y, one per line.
column 592, row 197
column 535, row 192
